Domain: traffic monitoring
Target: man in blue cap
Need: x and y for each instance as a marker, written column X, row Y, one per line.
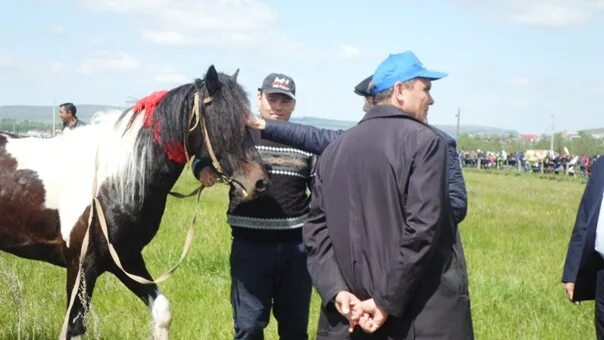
column 383, row 249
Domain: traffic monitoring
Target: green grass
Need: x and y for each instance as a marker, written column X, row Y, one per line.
column 515, row 239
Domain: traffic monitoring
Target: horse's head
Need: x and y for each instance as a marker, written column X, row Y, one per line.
column 218, row 134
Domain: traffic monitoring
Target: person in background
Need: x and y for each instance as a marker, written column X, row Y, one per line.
column 583, row 275
column 67, row 113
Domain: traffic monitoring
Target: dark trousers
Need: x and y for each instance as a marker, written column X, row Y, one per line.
column 599, row 306
column 265, row 275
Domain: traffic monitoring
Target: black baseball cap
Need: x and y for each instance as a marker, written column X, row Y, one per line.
column 279, row 83
column 362, row 88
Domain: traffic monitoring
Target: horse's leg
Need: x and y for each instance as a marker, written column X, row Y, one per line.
column 149, row 293
column 77, row 322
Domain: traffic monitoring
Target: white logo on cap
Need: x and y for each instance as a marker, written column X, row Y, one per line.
column 282, row 83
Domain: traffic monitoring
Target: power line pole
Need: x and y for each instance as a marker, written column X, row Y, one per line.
column 458, row 115
column 53, row 116
column 551, row 145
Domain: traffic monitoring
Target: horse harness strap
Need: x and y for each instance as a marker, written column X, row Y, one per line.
column 96, row 205
column 198, row 114
column 192, row 193
column 83, row 249
column 116, row 259
column 74, row 290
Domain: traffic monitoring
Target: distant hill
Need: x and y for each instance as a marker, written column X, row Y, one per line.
column 450, row 129
column 85, row 112
column 44, row 113
column 324, row 123
column 594, row 131
column 476, row 130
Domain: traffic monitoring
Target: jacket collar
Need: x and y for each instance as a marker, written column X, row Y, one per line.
column 386, row 111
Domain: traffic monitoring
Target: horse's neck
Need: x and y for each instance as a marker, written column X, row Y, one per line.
column 163, row 174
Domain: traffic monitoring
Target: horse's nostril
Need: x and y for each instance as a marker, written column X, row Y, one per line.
column 262, row 185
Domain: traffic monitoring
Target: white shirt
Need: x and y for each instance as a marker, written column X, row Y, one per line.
column 599, row 244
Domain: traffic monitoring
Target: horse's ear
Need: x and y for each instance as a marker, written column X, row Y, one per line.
column 234, row 76
column 211, row 78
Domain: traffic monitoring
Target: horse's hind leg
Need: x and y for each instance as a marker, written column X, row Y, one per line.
column 149, row 293
column 77, row 316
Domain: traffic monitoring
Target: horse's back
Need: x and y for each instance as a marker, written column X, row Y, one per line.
column 27, row 227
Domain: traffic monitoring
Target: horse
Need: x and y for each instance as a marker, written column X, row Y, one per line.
column 128, row 161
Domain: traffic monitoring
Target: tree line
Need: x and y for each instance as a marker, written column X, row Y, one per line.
column 22, row 126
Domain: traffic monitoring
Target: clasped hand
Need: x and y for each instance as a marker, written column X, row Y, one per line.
column 365, row 314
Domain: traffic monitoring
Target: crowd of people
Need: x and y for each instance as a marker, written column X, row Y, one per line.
column 529, row 161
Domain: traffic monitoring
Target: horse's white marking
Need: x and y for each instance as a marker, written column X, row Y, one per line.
column 162, row 317
column 74, row 165
column 77, row 337
column 124, row 161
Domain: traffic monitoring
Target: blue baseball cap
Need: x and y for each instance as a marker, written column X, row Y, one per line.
column 401, row 67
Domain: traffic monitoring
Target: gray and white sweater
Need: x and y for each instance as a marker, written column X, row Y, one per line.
column 277, row 215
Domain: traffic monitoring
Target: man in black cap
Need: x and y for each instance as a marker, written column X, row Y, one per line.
column 268, row 259
column 362, row 89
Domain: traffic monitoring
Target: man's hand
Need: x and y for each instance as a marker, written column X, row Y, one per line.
column 370, row 316
column 345, row 302
column 569, row 287
column 254, row 122
column 207, row 176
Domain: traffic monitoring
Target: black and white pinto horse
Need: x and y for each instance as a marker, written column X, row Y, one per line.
column 129, row 161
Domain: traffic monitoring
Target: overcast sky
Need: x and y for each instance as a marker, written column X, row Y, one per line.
column 511, row 63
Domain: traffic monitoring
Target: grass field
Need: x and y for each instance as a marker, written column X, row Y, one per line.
column 515, row 239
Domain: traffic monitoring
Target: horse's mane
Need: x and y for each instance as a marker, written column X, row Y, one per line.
column 225, row 122
column 223, row 116
column 172, row 118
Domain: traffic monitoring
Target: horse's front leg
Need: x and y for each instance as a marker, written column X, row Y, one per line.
column 149, row 293
column 77, row 324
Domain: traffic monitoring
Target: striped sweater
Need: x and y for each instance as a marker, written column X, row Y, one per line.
column 278, row 215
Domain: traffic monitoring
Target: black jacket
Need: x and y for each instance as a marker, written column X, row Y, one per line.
column 315, row 140
column 582, row 261
column 381, row 227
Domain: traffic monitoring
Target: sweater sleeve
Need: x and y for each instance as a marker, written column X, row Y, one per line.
column 458, row 196
column 457, row 186
column 304, row 137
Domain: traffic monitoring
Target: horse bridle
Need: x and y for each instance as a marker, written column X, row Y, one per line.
column 198, row 116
